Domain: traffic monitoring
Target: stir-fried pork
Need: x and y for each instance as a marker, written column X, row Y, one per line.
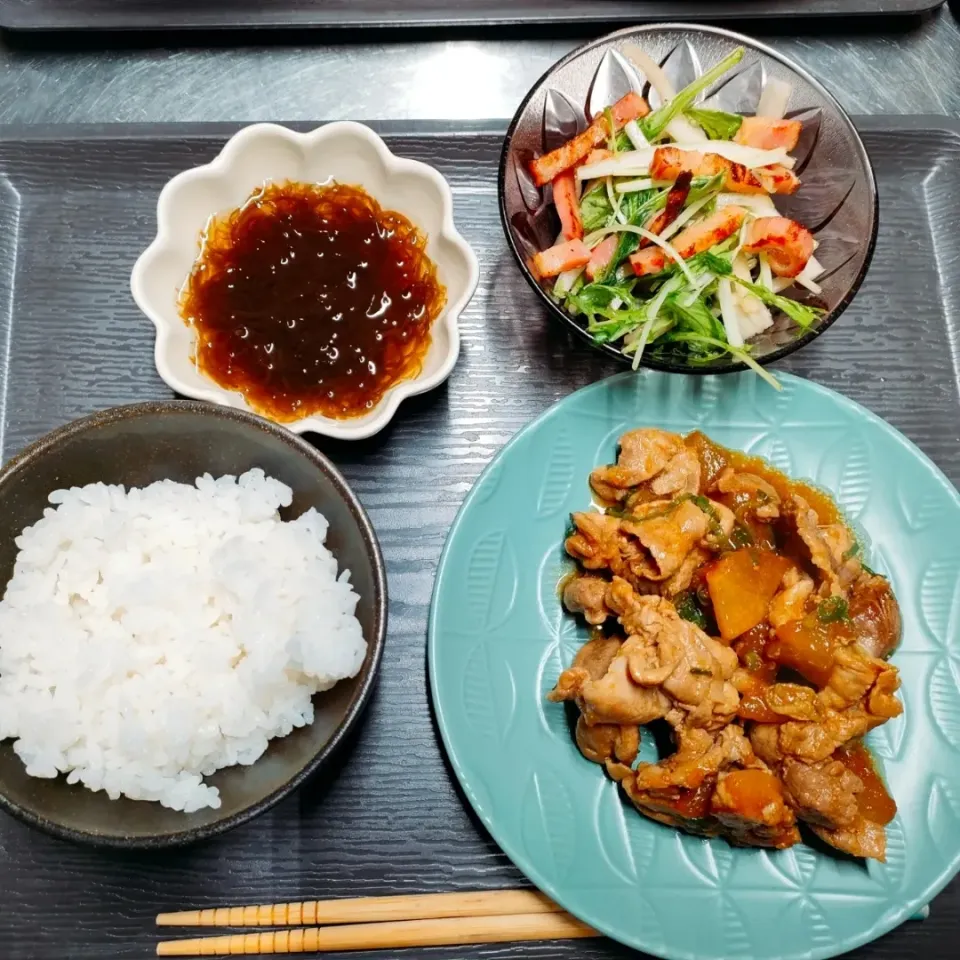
column 612, row 696
column 790, row 603
column 692, row 668
column 875, row 615
column 606, row 741
column 767, row 720
column 587, row 595
column 643, row 454
column 759, row 493
column 680, row 475
column 823, row 794
column 830, row 548
column 864, row 839
column 651, row 544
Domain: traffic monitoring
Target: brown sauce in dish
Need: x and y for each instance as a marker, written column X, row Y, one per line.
column 312, row 299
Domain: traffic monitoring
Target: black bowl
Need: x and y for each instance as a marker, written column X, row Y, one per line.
column 180, row 440
column 837, row 201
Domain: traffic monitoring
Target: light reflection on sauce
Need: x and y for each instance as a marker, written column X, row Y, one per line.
column 312, row 299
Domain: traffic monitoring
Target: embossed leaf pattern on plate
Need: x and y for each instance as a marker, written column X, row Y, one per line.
column 562, row 119
column 774, row 450
column 490, row 482
column 736, row 938
column 710, row 860
column 836, row 250
column 845, row 471
column 943, row 812
column 559, row 818
column 887, row 741
column 491, row 582
column 547, row 823
column 796, row 865
column 812, row 120
column 824, row 192
column 879, row 561
column 558, row 476
column 940, row 598
column 528, row 229
column 772, row 407
column 920, row 508
column 699, row 402
column 489, row 694
column 681, row 66
column 554, row 566
column 553, row 716
column 610, row 823
column 943, row 699
column 815, row 923
column 890, row 874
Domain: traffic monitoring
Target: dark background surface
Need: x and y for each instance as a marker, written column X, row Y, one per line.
column 873, row 65
column 77, row 207
column 339, row 14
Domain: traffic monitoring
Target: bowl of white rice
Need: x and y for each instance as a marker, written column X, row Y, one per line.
column 193, row 615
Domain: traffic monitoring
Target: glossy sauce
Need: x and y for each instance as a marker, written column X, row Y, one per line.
column 690, row 804
column 312, row 299
column 713, row 458
column 874, row 800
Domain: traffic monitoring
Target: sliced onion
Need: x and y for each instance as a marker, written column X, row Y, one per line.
column 633, row 186
column 635, row 163
column 651, row 70
column 765, row 278
column 683, row 130
column 565, row 281
column 759, row 204
column 730, row 312
column 635, row 134
column 774, row 99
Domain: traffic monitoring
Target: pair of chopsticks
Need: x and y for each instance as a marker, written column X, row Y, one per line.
column 377, row 923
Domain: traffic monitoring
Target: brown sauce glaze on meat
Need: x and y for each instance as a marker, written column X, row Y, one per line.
column 731, row 602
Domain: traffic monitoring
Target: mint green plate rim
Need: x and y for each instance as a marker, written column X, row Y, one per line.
column 896, row 915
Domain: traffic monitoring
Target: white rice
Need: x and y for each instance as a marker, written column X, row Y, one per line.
column 150, row 637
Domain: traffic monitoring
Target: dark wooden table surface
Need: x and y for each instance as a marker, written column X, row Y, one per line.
column 387, row 817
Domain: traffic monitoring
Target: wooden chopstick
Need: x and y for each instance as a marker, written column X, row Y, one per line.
column 427, row 906
column 379, row 936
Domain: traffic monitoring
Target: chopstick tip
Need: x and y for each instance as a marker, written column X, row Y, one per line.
column 180, row 948
column 180, row 918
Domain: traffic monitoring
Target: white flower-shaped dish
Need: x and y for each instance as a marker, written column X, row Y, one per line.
column 347, row 152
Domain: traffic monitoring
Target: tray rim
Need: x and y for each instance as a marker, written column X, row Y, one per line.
column 20, row 20
column 18, row 132
column 49, row 133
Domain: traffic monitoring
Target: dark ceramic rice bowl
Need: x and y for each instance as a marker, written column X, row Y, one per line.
column 180, row 440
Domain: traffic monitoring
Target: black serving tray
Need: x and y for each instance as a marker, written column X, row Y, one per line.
column 77, row 205
column 93, row 15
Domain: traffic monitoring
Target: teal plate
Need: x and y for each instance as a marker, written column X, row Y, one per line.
column 498, row 639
